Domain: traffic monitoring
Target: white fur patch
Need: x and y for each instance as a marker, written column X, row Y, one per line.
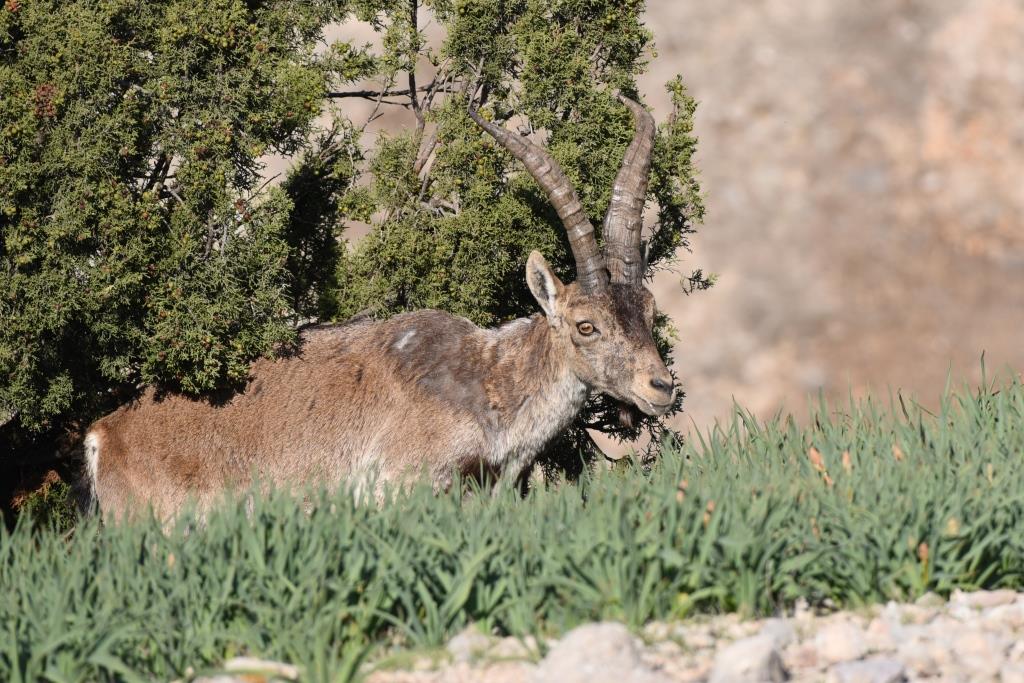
column 92, row 457
column 538, row 420
column 92, row 465
column 400, row 344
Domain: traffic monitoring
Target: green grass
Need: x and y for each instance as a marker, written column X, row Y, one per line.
column 747, row 518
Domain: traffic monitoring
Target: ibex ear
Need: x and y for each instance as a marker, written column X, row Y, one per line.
column 545, row 285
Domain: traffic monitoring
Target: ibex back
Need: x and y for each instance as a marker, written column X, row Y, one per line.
column 423, row 391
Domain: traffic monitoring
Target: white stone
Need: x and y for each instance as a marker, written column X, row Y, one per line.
column 751, row 660
column 801, row 657
column 1004, row 616
column 513, row 648
column 1011, row 673
column 596, row 653
column 246, row 669
column 976, row 651
column 882, row 635
column 659, row 630
column 973, row 644
column 468, row 645
column 868, row 671
column 961, row 611
column 984, row 599
column 802, row 611
column 918, row 614
column 840, row 641
column 930, row 599
column 918, row 657
column 697, row 638
column 781, row 631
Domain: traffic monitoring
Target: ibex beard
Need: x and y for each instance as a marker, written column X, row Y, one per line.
column 421, row 392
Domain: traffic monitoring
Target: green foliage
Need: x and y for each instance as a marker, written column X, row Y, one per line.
column 134, row 243
column 887, row 505
column 51, row 507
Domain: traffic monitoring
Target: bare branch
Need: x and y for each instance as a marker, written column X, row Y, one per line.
column 160, row 169
column 443, row 85
column 174, row 194
column 414, row 101
column 374, row 94
column 424, row 154
column 265, row 183
column 210, row 234
column 373, row 114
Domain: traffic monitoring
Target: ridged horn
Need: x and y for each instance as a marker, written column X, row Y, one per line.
column 623, row 223
column 591, row 273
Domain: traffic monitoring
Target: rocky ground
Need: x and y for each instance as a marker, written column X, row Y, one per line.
column 862, row 163
column 972, row 637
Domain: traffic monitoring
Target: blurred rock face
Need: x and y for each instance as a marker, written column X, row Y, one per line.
column 864, row 170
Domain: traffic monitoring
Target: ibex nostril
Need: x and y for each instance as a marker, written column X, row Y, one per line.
column 661, row 384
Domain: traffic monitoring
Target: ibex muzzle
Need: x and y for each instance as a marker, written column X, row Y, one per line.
column 423, row 391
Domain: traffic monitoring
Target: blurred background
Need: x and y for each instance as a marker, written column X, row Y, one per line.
column 863, row 165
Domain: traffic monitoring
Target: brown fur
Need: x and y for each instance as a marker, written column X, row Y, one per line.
column 420, row 392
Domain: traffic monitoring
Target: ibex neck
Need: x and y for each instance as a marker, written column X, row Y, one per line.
column 533, row 387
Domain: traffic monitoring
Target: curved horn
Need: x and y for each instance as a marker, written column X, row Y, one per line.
column 590, row 268
column 623, row 224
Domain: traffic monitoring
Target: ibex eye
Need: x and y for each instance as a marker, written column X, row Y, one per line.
column 586, row 329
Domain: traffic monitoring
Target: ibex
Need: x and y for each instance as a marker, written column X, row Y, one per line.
column 421, row 392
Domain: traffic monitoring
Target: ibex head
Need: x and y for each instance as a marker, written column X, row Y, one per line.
column 604, row 319
column 605, row 337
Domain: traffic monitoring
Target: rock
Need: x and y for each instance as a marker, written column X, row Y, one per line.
column 984, row 599
column 596, row 653
column 868, row 671
column 840, row 641
column 1011, row 673
column 983, row 644
column 918, row 614
column 514, row 648
column 918, row 657
column 468, row 645
column 741, row 630
column 262, row 666
column 671, row 659
column 666, row 649
column 780, row 631
column 251, row 670
column 659, row 630
column 698, row 639
column 802, row 611
column 1003, row 617
column 930, row 599
column 961, row 612
column 803, row 656
column 692, row 672
column 882, row 635
column 751, row 660
column 973, row 644
column 976, row 651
